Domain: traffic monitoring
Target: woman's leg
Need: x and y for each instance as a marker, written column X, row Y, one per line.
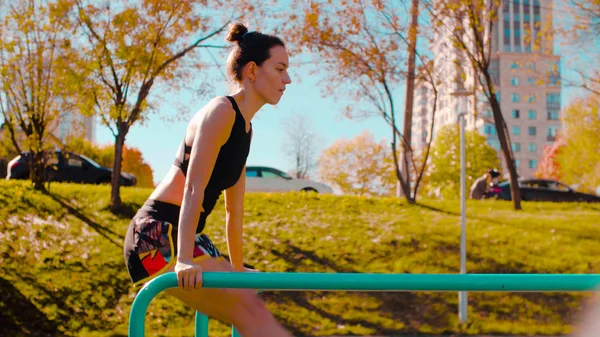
column 240, row 307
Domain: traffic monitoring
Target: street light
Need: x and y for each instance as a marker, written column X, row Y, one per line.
column 462, row 95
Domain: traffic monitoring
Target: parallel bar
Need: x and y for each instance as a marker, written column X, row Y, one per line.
column 364, row 282
column 201, row 325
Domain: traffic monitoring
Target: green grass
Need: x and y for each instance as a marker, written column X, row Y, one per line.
column 62, row 270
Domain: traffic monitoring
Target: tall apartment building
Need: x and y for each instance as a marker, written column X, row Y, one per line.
column 71, row 124
column 526, row 76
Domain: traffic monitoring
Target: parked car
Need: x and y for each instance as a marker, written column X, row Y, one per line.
column 67, row 167
column 268, row 179
column 546, row 190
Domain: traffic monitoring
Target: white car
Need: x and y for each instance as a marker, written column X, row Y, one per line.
column 267, row 179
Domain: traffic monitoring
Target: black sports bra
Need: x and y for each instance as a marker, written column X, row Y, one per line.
column 238, row 138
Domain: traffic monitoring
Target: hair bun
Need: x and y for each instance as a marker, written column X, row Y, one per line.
column 236, row 32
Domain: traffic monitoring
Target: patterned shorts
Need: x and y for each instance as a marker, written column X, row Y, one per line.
column 150, row 248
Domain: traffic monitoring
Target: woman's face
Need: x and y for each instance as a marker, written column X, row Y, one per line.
column 272, row 76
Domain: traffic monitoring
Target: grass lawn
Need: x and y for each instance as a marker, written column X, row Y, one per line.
column 62, row 270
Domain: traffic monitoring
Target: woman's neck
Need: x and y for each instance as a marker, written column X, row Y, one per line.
column 249, row 103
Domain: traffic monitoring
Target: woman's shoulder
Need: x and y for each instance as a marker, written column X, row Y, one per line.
column 218, row 108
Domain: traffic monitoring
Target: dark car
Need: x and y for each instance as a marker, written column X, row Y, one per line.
column 67, row 167
column 545, row 190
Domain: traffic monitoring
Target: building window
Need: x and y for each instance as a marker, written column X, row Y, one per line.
column 531, row 130
column 516, row 130
column 516, row 147
column 515, row 97
column 494, row 143
column 514, row 81
column 531, row 99
column 532, row 147
column 532, row 163
column 514, row 65
column 517, row 25
column 489, row 129
column 553, row 105
column 531, row 65
column 551, row 132
column 531, row 114
column 553, row 115
column 515, row 113
column 530, row 80
column 517, row 163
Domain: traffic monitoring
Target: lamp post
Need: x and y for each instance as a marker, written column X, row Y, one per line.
column 462, row 95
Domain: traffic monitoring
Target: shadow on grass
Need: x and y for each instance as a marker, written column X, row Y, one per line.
column 20, row 317
column 413, row 309
column 126, row 211
column 80, row 304
column 417, row 311
column 103, row 231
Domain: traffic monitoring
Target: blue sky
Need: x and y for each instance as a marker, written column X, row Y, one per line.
column 159, row 140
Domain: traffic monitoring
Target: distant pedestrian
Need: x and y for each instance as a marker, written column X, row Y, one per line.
column 481, row 186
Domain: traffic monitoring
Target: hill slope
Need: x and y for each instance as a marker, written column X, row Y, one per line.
column 62, row 269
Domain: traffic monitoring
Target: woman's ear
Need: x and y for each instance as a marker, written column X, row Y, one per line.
column 251, row 68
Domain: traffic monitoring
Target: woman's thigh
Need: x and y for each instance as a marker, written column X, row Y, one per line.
column 229, row 305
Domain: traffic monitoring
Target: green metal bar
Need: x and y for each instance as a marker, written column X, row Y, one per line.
column 364, row 282
column 201, row 325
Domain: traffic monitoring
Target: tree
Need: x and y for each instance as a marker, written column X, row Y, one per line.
column 130, row 48
column 470, row 23
column 444, row 168
column 358, row 166
column 360, row 48
column 549, row 167
column 300, row 145
column 32, row 87
column 580, row 159
column 582, row 38
column 410, row 90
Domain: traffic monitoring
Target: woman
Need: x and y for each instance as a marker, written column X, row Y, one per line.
column 166, row 233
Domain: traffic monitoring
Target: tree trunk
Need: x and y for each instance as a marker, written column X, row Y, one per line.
column 502, row 131
column 36, row 171
column 410, row 90
column 115, row 193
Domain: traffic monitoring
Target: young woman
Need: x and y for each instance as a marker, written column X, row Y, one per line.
column 166, row 234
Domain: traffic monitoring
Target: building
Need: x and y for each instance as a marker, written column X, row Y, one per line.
column 526, row 76
column 68, row 124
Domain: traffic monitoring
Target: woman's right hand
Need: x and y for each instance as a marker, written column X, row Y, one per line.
column 189, row 275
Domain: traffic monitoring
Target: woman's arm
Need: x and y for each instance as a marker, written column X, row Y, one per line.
column 234, row 206
column 212, row 132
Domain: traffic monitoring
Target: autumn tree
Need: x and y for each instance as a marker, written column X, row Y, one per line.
column 549, row 168
column 444, row 169
column 470, row 24
column 580, row 30
column 358, row 166
column 580, row 159
column 130, row 50
column 361, row 47
column 300, row 145
column 32, row 86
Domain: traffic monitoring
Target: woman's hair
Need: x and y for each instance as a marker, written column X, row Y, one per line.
column 248, row 47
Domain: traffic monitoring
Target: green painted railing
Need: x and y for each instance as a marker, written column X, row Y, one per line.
column 359, row 282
